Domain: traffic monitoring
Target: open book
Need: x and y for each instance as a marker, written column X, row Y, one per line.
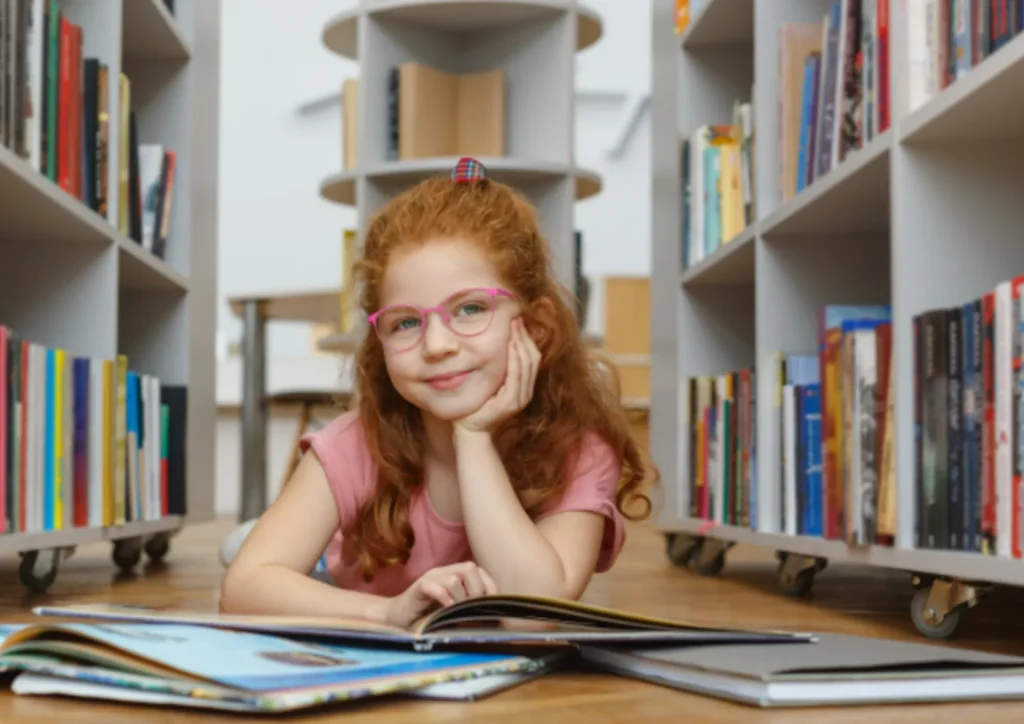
column 212, row 668
column 472, row 622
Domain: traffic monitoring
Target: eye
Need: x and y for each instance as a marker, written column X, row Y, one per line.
column 471, row 308
column 403, row 324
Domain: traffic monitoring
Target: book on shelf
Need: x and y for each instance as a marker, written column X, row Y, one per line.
column 834, row 89
column 968, row 423
column 946, row 39
column 717, row 184
column 54, row 114
column 722, row 422
column 208, row 668
column 432, row 113
column 85, row 442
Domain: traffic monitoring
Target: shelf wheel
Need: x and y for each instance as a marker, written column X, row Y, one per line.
column 709, row 558
column 797, row 572
column 38, row 569
column 157, row 547
column 680, row 547
column 937, row 609
column 127, row 553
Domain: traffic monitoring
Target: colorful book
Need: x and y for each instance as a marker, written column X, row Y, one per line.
column 211, row 668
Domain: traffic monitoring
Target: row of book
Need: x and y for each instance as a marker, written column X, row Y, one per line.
column 834, row 92
column 54, row 114
column 947, row 38
column 835, row 413
column 85, row 442
column 717, row 184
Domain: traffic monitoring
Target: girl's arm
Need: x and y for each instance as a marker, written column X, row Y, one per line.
column 270, row 574
column 554, row 557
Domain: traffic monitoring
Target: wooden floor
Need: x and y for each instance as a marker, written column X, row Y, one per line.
column 844, row 599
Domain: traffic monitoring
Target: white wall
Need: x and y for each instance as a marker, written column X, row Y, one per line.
column 273, row 158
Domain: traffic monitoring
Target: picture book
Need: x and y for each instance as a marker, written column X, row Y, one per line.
column 486, row 620
column 836, row 670
column 214, row 668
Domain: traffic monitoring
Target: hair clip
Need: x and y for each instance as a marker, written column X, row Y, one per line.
column 468, row 170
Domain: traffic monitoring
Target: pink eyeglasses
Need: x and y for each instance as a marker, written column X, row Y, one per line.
column 467, row 313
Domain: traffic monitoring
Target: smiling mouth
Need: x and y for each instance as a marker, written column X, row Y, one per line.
column 448, row 381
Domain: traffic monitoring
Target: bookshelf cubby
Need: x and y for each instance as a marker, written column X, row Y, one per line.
column 891, row 439
column 107, row 273
column 507, row 66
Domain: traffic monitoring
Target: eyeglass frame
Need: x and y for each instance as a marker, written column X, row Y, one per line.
column 424, row 312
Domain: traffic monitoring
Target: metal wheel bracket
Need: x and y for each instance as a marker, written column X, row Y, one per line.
column 948, row 595
column 712, row 548
column 793, row 564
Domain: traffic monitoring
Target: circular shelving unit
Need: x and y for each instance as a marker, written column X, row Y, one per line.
column 341, row 33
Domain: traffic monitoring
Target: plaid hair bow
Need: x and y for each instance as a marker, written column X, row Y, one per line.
column 468, row 170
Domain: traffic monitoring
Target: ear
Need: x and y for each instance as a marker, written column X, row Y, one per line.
column 542, row 321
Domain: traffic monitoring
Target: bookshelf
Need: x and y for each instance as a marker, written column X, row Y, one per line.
column 440, row 80
column 107, row 276
column 907, row 226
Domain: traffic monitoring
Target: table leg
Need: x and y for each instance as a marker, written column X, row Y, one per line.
column 254, row 412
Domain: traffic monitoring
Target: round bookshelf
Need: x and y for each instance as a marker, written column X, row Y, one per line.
column 341, row 34
column 442, row 79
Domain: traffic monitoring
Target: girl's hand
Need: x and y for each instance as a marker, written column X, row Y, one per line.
column 517, row 391
column 439, row 587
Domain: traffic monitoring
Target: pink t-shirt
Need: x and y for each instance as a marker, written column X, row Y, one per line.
column 352, row 475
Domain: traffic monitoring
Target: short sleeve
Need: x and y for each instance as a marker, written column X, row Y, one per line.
column 593, row 487
column 341, row 448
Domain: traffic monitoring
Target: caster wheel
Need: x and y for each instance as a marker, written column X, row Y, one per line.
column 680, row 548
column 709, row 566
column 926, row 623
column 157, row 547
column 34, row 580
column 127, row 553
column 797, row 586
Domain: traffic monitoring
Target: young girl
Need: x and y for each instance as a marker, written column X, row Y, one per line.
column 487, row 453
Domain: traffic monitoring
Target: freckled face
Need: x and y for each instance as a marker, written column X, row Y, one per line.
column 447, row 375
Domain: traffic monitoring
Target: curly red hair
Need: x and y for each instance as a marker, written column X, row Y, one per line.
column 573, row 396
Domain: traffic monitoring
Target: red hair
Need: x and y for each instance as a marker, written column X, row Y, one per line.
column 573, row 396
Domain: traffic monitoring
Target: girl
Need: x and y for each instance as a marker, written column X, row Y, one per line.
column 486, row 454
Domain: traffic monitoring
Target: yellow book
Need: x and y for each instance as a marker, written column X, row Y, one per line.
column 108, row 442
column 120, row 439
column 58, row 439
column 729, row 191
column 123, row 203
column 349, row 254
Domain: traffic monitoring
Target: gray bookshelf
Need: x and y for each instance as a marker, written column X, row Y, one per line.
column 925, row 215
column 70, row 279
column 533, row 41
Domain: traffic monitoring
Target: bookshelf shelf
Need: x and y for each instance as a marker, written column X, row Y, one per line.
column 150, row 31
column 341, row 188
column 721, row 23
column 986, row 102
column 107, row 280
column 442, row 79
column 854, row 196
column 341, row 33
column 731, row 263
column 773, row 422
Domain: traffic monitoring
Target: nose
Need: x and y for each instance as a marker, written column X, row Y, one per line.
column 438, row 340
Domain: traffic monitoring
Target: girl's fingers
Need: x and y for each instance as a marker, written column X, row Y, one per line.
column 490, row 587
column 455, row 587
column 473, row 583
column 437, row 592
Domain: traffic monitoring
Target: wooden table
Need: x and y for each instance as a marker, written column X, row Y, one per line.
column 255, row 310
